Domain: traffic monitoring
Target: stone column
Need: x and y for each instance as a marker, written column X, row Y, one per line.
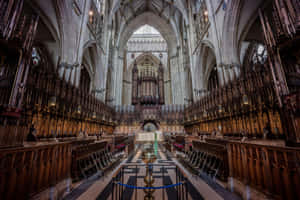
column 221, row 74
column 119, row 81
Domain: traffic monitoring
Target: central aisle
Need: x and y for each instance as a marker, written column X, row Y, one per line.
column 134, row 173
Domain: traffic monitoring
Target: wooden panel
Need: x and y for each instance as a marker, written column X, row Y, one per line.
column 271, row 169
column 27, row 171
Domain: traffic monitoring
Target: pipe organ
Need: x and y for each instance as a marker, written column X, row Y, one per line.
column 148, row 84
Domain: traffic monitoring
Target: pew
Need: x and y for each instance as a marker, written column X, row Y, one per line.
column 91, row 158
column 207, row 158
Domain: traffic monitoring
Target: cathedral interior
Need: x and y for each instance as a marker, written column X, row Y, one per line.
column 149, row 99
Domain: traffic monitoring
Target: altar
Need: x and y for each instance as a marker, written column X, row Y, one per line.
column 149, row 136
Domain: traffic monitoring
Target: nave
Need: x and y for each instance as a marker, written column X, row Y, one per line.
column 149, row 99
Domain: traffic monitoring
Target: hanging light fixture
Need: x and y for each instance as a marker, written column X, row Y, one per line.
column 52, row 101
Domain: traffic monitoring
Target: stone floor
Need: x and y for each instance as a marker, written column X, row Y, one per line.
column 134, row 173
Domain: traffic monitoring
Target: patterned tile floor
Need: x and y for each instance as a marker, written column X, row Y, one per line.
column 164, row 174
column 100, row 188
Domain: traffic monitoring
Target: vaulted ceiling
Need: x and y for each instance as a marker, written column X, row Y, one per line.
column 166, row 16
column 129, row 9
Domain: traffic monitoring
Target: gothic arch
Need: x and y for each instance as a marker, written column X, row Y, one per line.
column 48, row 31
column 230, row 31
column 166, row 30
column 141, row 57
column 206, row 60
column 239, row 17
column 89, row 58
column 179, row 4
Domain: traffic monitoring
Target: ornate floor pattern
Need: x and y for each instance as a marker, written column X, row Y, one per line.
column 164, row 174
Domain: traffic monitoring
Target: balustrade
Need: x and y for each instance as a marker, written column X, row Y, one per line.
column 274, row 170
column 26, row 171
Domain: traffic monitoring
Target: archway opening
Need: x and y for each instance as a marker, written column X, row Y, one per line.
column 147, row 56
column 149, row 127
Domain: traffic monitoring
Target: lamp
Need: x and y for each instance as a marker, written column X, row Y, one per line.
column 94, row 115
column 78, row 110
column 220, row 108
column 52, row 101
column 245, row 99
column 204, row 113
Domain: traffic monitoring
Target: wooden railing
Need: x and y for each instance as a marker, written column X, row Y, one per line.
column 27, row 171
column 275, row 170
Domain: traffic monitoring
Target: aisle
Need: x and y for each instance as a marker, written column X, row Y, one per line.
column 164, row 174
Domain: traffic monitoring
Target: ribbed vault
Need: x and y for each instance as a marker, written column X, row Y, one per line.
column 159, row 23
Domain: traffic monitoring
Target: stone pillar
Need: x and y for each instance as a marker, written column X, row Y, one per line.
column 119, row 81
column 221, row 74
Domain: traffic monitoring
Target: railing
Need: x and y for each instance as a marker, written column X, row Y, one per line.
column 274, row 170
column 118, row 186
column 27, row 171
